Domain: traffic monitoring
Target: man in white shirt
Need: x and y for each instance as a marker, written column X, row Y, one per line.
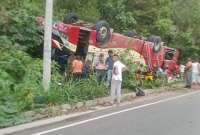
column 116, row 82
column 182, row 71
column 195, row 73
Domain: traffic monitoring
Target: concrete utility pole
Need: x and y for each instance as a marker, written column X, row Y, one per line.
column 47, row 45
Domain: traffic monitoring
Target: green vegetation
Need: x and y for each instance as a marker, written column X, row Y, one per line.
column 20, row 44
column 21, row 68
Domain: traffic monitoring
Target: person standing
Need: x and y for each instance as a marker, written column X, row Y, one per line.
column 70, row 59
column 116, row 82
column 101, row 69
column 199, row 72
column 188, row 73
column 182, row 69
column 166, row 74
column 140, row 74
column 109, row 63
column 87, row 69
column 195, row 73
column 77, row 67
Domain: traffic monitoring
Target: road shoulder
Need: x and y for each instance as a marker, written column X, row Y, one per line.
column 128, row 101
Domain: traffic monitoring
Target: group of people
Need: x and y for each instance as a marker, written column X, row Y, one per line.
column 80, row 68
column 192, row 73
column 108, row 71
column 143, row 73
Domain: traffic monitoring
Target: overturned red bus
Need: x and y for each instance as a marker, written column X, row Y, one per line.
column 82, row 38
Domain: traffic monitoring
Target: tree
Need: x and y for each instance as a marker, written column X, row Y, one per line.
column 149, row 13
column 85, row 9
column 114, row 11
column 187, row 17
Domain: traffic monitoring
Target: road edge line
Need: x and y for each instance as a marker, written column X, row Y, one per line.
column 115, row 113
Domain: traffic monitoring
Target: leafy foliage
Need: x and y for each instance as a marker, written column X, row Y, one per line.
column 114, row 11
column 73, row 92
column 85, row 9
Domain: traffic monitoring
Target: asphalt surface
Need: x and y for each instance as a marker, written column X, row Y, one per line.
column 177, row 116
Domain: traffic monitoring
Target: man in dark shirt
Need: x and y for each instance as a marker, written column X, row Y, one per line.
column 109, row 63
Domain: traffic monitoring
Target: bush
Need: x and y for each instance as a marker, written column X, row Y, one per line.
column 73, row 92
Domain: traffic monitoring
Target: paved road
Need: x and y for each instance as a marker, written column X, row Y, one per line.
column 177, row 116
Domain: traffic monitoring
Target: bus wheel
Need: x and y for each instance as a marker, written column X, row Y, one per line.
column 70, row 18
column 157, row 43
column 102, row 32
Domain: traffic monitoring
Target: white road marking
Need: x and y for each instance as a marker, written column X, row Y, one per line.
column 114, row 113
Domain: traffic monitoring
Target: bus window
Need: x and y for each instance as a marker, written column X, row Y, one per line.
column 169, row 55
